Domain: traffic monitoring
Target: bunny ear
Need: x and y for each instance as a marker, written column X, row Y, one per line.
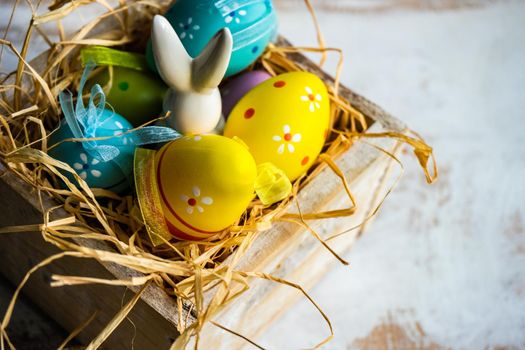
column 171, row 58
column 210, row 66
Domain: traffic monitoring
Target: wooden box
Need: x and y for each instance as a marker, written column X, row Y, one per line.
column 286, row 251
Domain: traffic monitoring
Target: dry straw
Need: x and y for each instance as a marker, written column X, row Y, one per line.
column 188, row 271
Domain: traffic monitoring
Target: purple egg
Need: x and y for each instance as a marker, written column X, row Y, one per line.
column 236, row 88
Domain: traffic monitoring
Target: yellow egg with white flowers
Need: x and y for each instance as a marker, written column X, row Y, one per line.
column 205, row 183
column 284, row 121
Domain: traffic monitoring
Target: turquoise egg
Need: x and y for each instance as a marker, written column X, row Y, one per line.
column 253, row 25
column 113, row 175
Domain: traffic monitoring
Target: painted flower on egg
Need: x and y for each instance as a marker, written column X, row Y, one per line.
column 312, row 99
column 188, row 29
column 195, row 201
column 286, row 140
column 235, row 16
column 83, row 168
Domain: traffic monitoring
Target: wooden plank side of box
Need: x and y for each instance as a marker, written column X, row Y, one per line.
column 71, row 306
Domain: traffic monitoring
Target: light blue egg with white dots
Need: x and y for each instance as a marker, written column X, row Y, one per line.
column 253, row 25
column 113, row 175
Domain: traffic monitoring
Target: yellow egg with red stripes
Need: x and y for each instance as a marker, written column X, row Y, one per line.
column 284, row 121
column 205, row 184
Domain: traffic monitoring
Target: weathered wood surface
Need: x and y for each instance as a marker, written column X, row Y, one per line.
column 30, row 328
column 442, row 266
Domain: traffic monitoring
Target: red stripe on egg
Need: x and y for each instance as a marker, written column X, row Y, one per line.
column 279, row 84
column 175, row 232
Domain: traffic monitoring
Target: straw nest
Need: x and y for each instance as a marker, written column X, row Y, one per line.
column 29, row 113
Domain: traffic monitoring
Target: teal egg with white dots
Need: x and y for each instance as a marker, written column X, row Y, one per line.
column 253, row 25
column 113, row 175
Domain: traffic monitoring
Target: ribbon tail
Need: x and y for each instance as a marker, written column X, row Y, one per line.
column 66, row 102
column 153, row 134
column 85, row 74
column 105, row 56
column 103, row 152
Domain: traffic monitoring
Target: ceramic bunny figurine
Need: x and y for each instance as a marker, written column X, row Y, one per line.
column 193, row 98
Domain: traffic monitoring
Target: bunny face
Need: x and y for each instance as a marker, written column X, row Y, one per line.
column 253, row 25
column 193, row 99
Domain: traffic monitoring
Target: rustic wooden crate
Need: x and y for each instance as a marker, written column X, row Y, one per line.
column 286, row 251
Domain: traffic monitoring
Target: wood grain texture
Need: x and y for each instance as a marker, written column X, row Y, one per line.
column 30, row 325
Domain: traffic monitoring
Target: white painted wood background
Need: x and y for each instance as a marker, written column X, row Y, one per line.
column 442, row 266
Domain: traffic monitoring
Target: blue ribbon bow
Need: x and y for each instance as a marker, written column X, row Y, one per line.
column 84, row 123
